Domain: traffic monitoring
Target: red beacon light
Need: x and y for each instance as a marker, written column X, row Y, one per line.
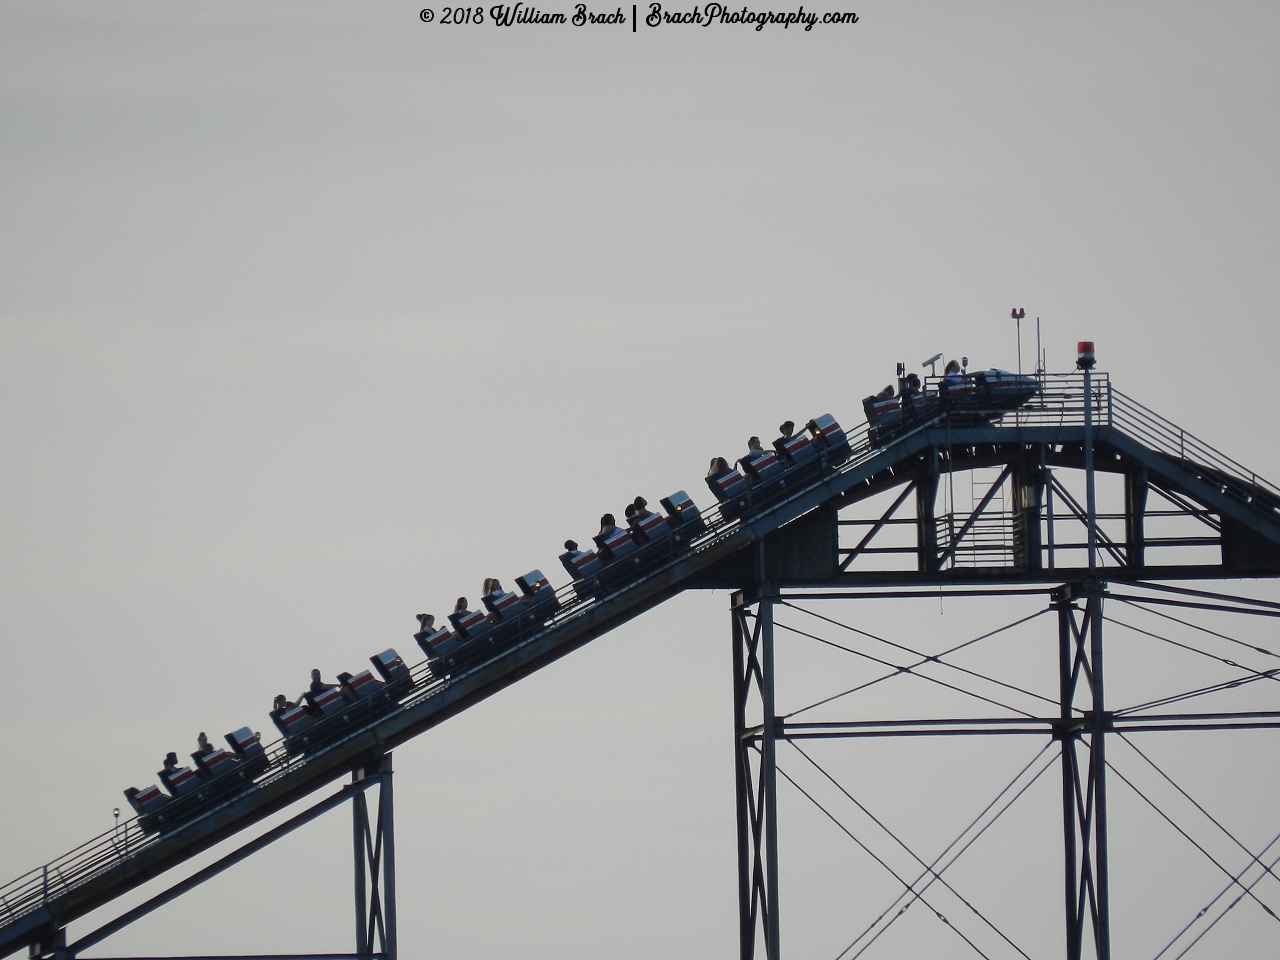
column 1084, row 355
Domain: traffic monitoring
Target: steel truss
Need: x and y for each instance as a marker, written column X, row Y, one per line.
column 756, row 769
column 1005, row 554
column 1081, row 729
column 1084, row 792
column 1078, row 423
column 375, row 890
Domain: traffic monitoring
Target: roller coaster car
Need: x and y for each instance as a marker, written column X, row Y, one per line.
column 501, row 606
column 649, row 528
column 538, row 597
column 616, row 545
column 470, row 625
column 683, row 516
column 147, row 804
column 967, row 400
column 292, row 721
column 582, row 566
column 830, row 439
column 214, row 763
column 439, row 643
column 793, row 463
column 392, row 668
column 396, row 679
column 358, row 687
column 730, row 488
column 327, row 716
column 626, row 554
column 247, row 746
column 585, row 567
column 761, row 467
column 180, row 782
column 327, row 703
column 158, row 813
column 796, row 450
column 218, row 773
column 512, row 618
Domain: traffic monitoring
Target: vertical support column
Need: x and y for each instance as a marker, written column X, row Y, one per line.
column 926, row 517
column 1028, row 497
column 1084, row 791
column 375, row 866
column 755, row 771
column 1097, row 716
column 742, row 778
column 387, row 833
column 1066, row 734
column 1098, row 773
column 764, row 613
column 359, row 831
column 1135, row 510
column 1091, row 504
column 1048, row 517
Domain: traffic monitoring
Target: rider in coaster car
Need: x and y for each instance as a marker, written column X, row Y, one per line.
column 318, row 686
column 607, row 526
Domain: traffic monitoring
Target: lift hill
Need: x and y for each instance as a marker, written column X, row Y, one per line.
column 793, row 539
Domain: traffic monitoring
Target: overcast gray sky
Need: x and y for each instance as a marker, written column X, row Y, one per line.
column 313, row 315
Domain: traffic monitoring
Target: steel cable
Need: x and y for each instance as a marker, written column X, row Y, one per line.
column 936, row 912
column 1193, row 802
column 896, row 839
column 898, row 670
column 976, row 820
column 1196, row 626
column 1190, row 840
column 924, row 657
column 1229, row 907
column 1184, row 646
column 1199, row 692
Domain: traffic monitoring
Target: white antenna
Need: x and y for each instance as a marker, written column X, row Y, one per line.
column 931, row 363
column 1017, row 313
column 1039, row 353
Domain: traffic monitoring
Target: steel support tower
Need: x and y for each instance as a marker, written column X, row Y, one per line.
column 808, row 561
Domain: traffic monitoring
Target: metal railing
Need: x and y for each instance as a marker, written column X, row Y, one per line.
column 986, row 543
column 1165, row 437
column 1059, row 403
